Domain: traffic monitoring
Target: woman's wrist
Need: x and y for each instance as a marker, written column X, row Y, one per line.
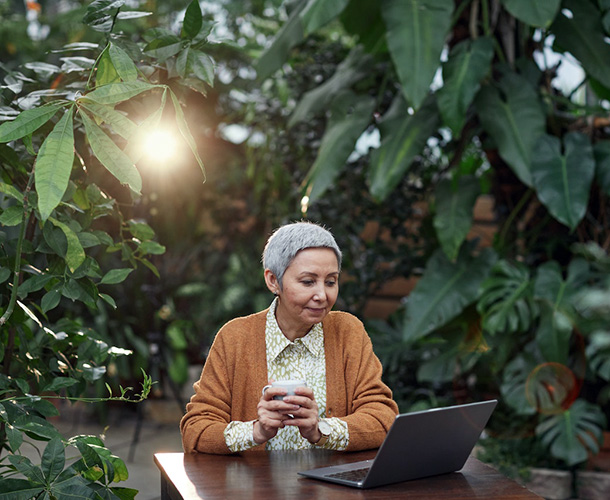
column 257, row 435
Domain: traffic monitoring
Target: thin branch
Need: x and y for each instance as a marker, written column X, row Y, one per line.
column 17, row 267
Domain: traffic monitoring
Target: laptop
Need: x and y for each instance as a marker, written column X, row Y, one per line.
column 419, row 444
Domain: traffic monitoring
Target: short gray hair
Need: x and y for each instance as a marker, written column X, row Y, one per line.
column 288, row 240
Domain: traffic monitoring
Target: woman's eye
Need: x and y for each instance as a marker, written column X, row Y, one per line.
column 307, row 282
column 331, row 283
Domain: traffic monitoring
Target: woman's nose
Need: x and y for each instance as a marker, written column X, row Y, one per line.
column 320, row 294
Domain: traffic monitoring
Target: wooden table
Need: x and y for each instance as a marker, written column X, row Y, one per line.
column 273, row 475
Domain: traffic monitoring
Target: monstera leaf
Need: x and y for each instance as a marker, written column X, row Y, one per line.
column 563, row 181
column 444, row 290
column 514, row 381
column 574, row 433
column 556, row 296
column 507, row 304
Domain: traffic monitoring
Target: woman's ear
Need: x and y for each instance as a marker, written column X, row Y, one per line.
column 272, row 282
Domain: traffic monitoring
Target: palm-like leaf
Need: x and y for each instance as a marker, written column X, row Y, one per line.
column 574, row 433
column 506, row 302
column 557, row 296
column 514, row 381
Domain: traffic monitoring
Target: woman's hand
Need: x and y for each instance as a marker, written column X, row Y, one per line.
column 306, row 416
column 272, row 414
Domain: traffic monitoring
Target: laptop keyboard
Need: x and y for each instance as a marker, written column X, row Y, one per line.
column 351, row 475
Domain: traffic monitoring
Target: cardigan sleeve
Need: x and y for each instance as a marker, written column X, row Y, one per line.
column 208, row 412
column 368, row 409
column 229, row 387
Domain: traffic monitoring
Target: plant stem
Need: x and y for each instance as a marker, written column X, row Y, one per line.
column 511, row 217
column 17, row 267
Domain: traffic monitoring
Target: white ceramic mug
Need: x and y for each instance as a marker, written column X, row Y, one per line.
column 288, row 385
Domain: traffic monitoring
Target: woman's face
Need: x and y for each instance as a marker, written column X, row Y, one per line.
column 310, row 289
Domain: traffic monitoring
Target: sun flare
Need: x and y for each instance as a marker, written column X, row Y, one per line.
column 160, row 146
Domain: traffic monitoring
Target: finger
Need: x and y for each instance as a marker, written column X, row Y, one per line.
column 273, row 392
column 303, row 401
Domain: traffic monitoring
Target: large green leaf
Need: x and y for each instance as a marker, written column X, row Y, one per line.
column 468, row 63
column 514, row 381
column 289, row 35
column 556, row 296
column 454, row 202
column 563, row 181
column 28, row 121
column 513, row 117
column 114, row 93
column 164, row 47
column 355, row 66
column 117, row 120
column 444, row 290
column 403, row 138
column 349, row 117
column 135, row 146
column 185, row 131
column 575, row 433
column 539, row 14
column 202, row 66
column 363, row 19
column 75, row 255
column 319, row 12
column 101, row 13
column 53, row 459
column 122, row 63
column 193, row 20
column 105, row 73
column 196, row 62
column 506, row 302
column 111, row 156
column 416, row 33
column 582, row 34
column 19, row 489
column 54, row 165
column 601, row 151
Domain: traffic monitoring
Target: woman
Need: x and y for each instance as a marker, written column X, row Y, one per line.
column 345, row 405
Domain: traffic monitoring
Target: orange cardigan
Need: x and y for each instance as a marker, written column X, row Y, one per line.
column 236, row 370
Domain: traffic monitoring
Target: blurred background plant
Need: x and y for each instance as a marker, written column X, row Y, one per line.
column 343, row 113
column 72, row 132
column 495, row 99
